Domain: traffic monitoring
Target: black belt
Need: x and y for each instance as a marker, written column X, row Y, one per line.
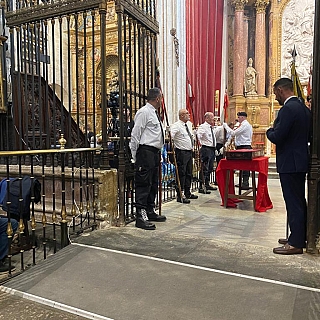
column 150, row 148
column 176, row 149
column 204, row 146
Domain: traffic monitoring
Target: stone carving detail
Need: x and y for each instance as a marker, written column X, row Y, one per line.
column 238, row 4
column 261, row 5
column 297, row 31
column 250, row 79
column 173, row 32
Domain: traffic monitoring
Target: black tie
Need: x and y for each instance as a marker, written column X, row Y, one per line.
column 213, row 137
column 189, row 134
column 160, row 126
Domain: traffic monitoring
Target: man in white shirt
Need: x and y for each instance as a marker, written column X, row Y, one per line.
column 206, row 135
column 243, row 139
column 220, row 140
column 183, row 144
column 147, row 139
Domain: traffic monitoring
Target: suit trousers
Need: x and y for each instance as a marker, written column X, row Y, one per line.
column 146, row 176
column 293, row 190
column 184, row 164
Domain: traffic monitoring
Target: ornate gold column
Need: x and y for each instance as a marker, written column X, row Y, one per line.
column 260, row 49
column 239, row 50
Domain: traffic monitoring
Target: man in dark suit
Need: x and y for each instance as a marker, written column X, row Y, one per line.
column 290, row 134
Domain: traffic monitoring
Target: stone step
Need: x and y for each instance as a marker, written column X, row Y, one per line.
column 272, row 169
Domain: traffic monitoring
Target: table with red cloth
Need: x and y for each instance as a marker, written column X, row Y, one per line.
column 260, row 165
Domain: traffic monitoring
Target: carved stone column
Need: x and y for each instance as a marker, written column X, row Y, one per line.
column 238, row 48
column 260, row 49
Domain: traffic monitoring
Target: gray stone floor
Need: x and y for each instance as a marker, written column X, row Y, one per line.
column 204, row 262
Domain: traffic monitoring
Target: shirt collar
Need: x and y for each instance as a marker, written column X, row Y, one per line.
column 288, row 99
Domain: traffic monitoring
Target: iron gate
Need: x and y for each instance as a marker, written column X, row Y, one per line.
column 75, row 67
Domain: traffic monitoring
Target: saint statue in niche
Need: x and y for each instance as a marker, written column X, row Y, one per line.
column 250, row 79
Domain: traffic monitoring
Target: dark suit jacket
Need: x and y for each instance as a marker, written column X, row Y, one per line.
column 290, row 134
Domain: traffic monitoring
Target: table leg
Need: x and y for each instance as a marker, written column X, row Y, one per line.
column 254, row 188
column 226, row 189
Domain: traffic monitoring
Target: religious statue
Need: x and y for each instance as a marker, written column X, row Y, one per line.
column 250, row 79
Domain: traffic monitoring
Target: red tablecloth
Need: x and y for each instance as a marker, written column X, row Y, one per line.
column 260, row 165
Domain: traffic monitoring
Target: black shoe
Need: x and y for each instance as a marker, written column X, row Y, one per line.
column 4, row 266
column 183, row 200
column 192, row 196
column 142, row 220
column 211, row 188
column 153, row 216
column 204, row 191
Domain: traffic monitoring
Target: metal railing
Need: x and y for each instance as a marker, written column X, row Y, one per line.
column 63, row 208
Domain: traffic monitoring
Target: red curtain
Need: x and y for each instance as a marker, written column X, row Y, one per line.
column 204, row 22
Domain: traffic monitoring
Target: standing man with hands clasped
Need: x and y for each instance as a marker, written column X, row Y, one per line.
column 147, row 139
column 183, row 143
column 290, row 134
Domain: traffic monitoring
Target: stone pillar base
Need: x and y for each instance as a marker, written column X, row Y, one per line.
column 107, row 198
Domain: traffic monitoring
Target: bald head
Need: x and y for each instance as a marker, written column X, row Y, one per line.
column 209, row 118
column 184, row 115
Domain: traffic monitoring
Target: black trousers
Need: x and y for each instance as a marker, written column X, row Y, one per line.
column 146, row 177
column 218, row 158
column 245, row 174
column 207, row 155
column 184, row 164
column 293, row 190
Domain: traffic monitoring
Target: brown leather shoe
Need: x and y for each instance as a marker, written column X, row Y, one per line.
column 287, row 249
column 283, row 241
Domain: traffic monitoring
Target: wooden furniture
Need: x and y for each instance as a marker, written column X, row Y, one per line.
column 225, row 180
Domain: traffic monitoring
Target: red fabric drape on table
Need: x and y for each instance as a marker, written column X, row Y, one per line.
column 263, row 201
column 204, row 22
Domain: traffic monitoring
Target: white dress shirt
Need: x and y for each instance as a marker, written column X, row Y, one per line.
column 219, row 134
column 205, row 136
column 147, row 130
column 180, row 135
column 243, row 134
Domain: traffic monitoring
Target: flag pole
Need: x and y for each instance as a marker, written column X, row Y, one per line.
column 158, row 84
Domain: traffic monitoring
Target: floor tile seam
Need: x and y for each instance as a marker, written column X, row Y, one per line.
column 53, row 304
column 177, row 263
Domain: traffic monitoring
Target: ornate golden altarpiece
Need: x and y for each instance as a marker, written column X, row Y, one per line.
column 93, row 59
column 261, row 107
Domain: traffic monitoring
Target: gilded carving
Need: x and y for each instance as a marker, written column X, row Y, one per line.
column 261, row 5
column 254, row 115
column 238, row 4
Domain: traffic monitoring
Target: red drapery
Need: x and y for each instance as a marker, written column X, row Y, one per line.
column 204, row 22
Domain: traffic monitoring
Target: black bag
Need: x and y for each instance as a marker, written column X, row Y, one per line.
column 14, row 196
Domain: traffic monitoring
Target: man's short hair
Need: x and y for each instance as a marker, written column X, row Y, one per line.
column 153, row 94
column 285, row 83
column 242, row 113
